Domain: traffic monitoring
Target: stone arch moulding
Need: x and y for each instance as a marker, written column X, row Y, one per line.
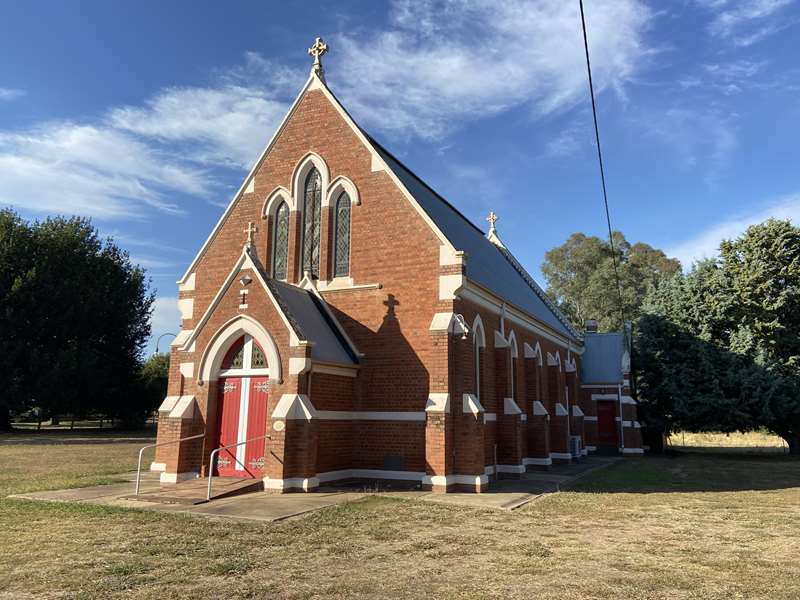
column 554, row 361
column 230, row 332
column 477, row 330
column 512, row 344
column 301, row 171
column 335, row 189
column 535, row 352
column 273, row 201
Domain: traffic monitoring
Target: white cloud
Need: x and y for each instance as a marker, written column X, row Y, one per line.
column 65, row 167
column 10, row 93
column 706, row 243
column 745, row 22
column 228, row 125
column 569, row 141
column 133, row 159
column 697, row 137
column 445, row 61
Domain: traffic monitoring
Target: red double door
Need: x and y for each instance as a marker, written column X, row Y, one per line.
column 242, row 417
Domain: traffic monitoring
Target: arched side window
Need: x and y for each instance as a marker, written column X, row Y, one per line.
column 478, row 342
column 280, row 249
column 513, row 353
column 341, row 264
column 312, row 206
column 476, row 345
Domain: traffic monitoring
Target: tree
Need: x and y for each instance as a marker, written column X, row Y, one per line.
column 762, row 269
column 151, row 389
column 580, row 277
column 16, row 246
column 76, row 315
column 718, row 348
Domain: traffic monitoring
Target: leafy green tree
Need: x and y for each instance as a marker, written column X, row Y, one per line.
column 76, row 315
column 151, row 389
column 718, row 348
column 762, row 269
column 16, row 246
column 580, row 277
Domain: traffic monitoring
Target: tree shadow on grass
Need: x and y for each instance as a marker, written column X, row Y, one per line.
column 695, row 472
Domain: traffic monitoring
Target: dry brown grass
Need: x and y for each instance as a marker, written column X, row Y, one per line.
column 694, row 526
column 750, row 442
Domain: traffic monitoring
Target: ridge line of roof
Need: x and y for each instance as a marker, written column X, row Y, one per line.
column 272, row 285
column 422, row 181
column 507, row 254
column 537, row 289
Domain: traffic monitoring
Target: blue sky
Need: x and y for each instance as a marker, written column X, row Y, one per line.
column 146, row 115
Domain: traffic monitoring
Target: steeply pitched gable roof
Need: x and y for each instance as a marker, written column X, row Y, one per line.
column 311, row 322
column 602, row 360
column 488, row 264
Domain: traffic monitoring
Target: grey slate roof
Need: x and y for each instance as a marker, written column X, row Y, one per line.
column 602, row 360
column 311, row 322
column 493, row 267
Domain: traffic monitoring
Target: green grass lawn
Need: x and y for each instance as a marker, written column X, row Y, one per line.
column 689, row 526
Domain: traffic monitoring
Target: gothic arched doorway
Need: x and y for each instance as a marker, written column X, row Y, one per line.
column 242, row 409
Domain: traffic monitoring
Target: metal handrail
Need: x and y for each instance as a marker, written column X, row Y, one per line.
column 139, row 466
column 216, row 450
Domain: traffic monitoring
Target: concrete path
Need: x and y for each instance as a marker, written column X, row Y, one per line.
column 508, row 494
column 255, row 506
column 262, row 506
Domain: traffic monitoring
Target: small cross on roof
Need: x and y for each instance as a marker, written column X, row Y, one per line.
column 492, row 218
column 317, row 50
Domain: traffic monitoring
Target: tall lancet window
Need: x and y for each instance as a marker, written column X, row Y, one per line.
column 280, row 250
column 341, row 267
column 476, row 347
column 312, row 205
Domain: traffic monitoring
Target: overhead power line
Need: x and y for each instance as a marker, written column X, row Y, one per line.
column 602, row 170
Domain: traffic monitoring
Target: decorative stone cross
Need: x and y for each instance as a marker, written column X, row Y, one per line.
column 251, row 229
column 317, row 50
column 492, row 218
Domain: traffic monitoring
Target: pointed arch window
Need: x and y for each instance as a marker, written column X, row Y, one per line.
column 312, row 206
column 476, row 346
column 280, row 251
column 341, row 263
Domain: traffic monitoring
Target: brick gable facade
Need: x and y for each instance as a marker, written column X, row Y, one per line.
column 372, row 375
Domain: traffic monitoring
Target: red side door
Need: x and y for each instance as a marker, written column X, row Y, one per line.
column 607, row 423
column 230, row 393
column 256, row 426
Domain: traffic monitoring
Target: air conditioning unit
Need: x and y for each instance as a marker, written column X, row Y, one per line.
column 575, row 446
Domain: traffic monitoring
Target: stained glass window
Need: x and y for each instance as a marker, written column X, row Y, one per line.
column 258, row 361
column 280, row 253
column 235, row 357
column 342, row 240
column 312, row 205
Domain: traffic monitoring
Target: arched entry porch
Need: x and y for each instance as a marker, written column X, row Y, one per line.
column 241, row 415
column 241, row 367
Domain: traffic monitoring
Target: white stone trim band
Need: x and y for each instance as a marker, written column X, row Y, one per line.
column 541, row 462
column 352, row 415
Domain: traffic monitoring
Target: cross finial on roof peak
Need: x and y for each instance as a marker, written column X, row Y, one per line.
column 317, row 50
column 492, row 218
column 492, row 235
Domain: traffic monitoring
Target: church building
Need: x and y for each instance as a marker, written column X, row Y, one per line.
column 344, row 321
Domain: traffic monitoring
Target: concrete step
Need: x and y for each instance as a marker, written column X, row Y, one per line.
column 194, row 491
